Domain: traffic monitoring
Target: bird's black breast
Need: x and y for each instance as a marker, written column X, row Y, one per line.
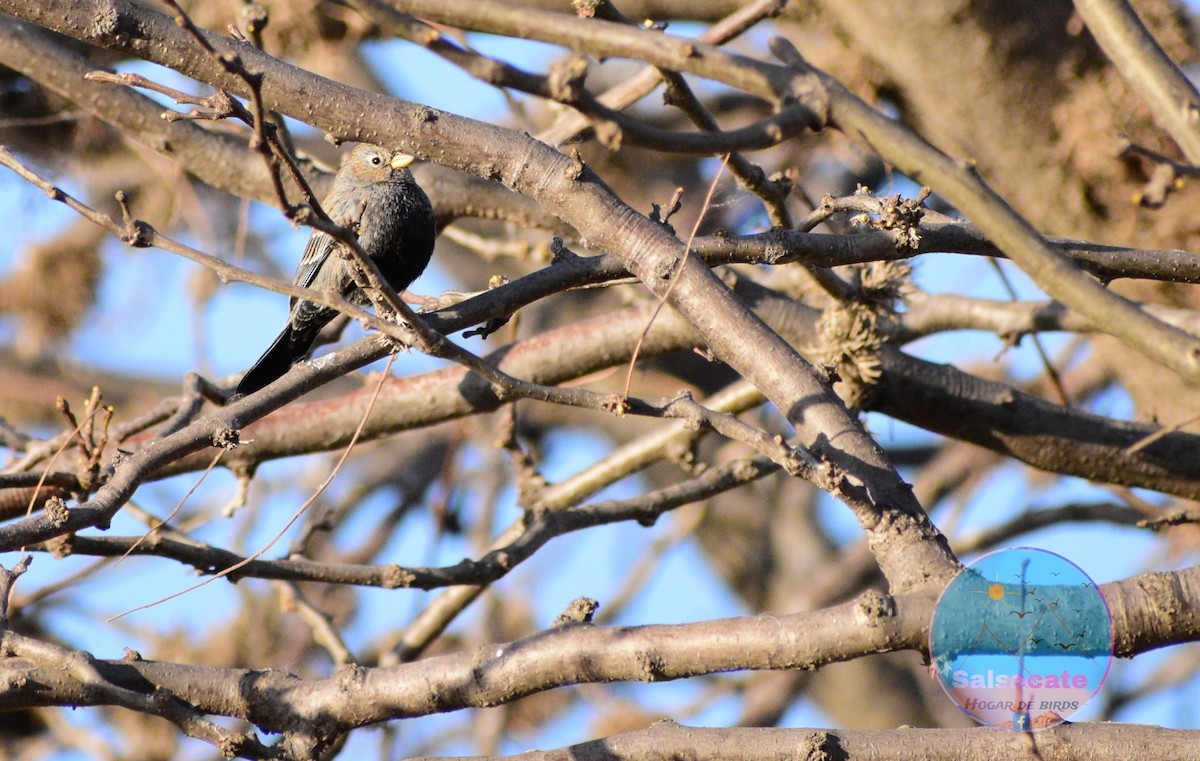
column 398, row 233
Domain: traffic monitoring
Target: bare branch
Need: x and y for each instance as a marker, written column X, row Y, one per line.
column 1171, row 97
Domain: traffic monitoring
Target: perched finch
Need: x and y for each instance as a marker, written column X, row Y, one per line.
column 375, row 195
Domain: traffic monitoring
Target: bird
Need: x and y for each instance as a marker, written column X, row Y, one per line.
column 1020, row 614
column 1064, row 645
column 374, row 194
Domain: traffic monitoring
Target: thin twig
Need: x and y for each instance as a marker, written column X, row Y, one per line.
column 57, row 453
column 1051, row 372
column 1160, row 434
column 687, row 252
column 178, row 505
column 295, row 516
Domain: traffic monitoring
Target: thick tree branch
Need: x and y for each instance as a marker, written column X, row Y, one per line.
column 1172, row 98
column 1012, row 319
column 940, row 236
column 1149, row 611
column 666, row 741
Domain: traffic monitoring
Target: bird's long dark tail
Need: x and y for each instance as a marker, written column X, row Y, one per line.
column 289, row 347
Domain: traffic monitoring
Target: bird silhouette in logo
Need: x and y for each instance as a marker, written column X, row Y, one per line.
column 1065, row 647
column 1036, row 640
column 1020, row 614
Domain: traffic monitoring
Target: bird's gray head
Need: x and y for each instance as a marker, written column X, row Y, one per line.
column 372, row 163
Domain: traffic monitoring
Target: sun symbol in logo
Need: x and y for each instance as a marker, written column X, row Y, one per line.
column 996, row 592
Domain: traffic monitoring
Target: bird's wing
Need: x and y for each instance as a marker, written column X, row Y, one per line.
column 321, row 245
column 316, row 253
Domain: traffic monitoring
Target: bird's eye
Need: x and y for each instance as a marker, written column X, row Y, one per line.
column 376, row 160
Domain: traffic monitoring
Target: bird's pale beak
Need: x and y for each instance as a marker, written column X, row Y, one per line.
column 401, row 160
